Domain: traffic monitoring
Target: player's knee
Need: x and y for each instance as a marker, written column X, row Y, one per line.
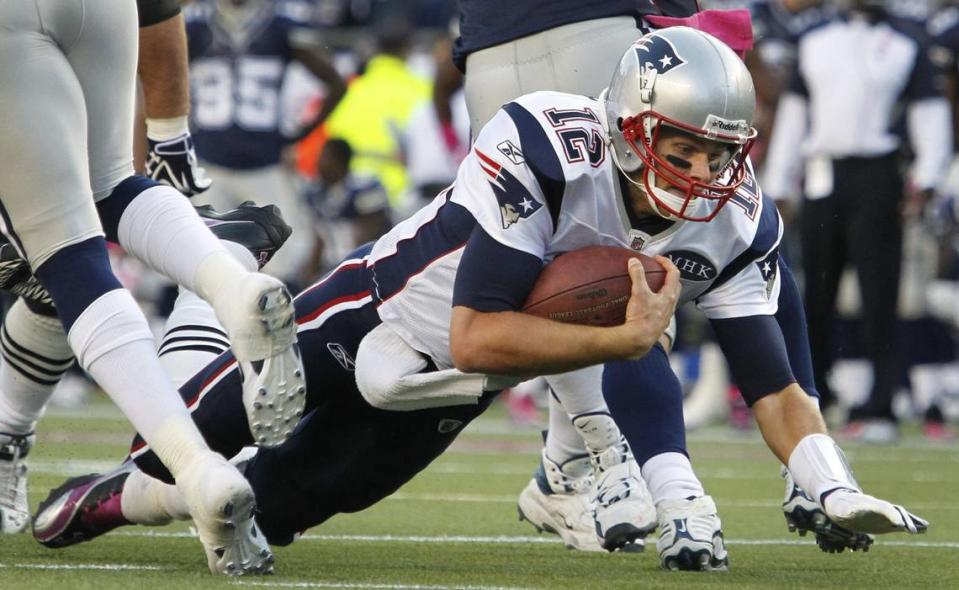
column 76, row 276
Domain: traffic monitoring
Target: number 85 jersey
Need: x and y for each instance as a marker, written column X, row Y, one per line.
column 541, row 181
column 237, row 68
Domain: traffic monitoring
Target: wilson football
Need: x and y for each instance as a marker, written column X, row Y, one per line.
column 589, row 286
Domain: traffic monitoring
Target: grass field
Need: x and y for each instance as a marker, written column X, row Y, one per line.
column 455, row 525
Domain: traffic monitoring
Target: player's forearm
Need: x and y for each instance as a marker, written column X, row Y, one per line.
column 163, row 69
column 512, row 343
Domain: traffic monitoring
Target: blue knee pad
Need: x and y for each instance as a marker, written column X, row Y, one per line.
column 76, row 276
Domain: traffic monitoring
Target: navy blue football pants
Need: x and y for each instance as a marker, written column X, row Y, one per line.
column 345, row 455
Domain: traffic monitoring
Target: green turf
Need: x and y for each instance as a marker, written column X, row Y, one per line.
column 455, row 525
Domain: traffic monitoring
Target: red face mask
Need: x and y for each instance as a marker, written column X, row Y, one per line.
column 717, row 191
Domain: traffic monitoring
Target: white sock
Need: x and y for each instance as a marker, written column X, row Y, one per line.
column 35, row 357
column 192, row 338
column 579, row 392
column 670, row 476
column 151, row 502
column 818, row 465
column 598, row 431
column 563, row 442
column 161, row 228
column 113, row 342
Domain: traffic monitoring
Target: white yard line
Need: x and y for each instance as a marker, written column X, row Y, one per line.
column 369, row 586
column 80, row 566
column 525, row 540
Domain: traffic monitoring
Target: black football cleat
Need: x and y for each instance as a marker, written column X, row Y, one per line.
column 261, row 230
column 803, row 514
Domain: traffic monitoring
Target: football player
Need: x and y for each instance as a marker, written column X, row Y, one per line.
column 411, row 337
column 67, row 74
column 560, row 489
column 239, row 55
column 566, row 47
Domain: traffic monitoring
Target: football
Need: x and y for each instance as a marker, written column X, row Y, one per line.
column 589, row 286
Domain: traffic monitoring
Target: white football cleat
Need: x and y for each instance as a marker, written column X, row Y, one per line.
column 222, row 504
column 14, row 507
column 624, row 510
column 803, row 514
column 866, row 514
column 691, row 536
column 555, row 501
column 260, row 321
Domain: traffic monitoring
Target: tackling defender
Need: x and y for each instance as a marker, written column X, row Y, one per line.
column 407, row 340
column 67, row 77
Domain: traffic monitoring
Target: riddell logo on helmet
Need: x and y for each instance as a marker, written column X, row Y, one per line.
column 716, row 124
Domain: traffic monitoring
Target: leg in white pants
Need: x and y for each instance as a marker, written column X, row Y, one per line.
column 578, row 58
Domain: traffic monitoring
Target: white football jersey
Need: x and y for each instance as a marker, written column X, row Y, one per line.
column 540, row 179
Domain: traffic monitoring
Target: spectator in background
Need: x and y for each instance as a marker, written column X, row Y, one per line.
column 852, row 73
column 777, row 25
column 239, row 54
column 350, row 210
column 437, row 138
column 376, row 110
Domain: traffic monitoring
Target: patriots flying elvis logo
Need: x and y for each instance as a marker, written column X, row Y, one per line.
column 768, row 268
column 657, row 53
column 515, row 201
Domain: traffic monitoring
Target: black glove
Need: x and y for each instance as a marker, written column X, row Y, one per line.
column 173, row 161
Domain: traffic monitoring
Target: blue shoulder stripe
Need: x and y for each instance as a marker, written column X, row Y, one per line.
column 766, row 236
column 540, row 157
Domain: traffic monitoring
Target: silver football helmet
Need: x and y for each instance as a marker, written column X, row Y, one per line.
column 691, row 81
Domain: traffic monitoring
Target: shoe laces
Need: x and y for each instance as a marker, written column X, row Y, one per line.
column 615, row 485
column 612, row 456
column 562, row 482
column 12, row 467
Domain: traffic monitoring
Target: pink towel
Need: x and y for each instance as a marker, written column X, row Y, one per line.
column 733, row 27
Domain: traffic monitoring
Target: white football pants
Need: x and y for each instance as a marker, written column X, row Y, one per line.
column 67, row 77
column 578, row 58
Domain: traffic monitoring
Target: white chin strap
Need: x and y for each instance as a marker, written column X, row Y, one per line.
column 674, row 202
column 661, row 194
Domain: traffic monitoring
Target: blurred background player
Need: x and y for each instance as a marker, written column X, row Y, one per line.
column 240, row 52
column 375, row 127
column 351, row 210
column 854, row 193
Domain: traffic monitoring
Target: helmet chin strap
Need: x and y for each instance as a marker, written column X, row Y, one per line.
column 661, row 194
column 649, row 199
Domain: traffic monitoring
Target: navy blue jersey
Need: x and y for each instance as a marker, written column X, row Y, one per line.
column 776, row 31
column 338, row 209
column 485, row 23
column 236, row 74
column 944, row 31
